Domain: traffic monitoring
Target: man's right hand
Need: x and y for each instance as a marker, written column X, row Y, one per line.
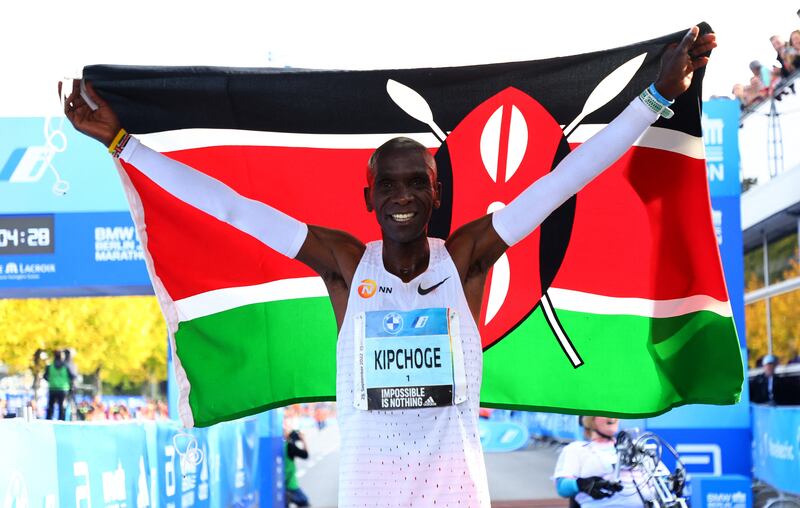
column 597, row 487
column 101, row 124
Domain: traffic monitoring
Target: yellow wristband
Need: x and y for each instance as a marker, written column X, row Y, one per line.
column 113, row 146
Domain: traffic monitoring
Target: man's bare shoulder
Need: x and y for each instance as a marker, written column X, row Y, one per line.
column 475, row 246
column 332, row 253
column 336, row 239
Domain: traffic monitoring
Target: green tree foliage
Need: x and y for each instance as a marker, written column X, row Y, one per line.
column 123, row 339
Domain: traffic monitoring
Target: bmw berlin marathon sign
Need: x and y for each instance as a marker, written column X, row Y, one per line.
column 405, row 360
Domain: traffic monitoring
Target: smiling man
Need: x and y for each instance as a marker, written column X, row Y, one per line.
column 409, row 425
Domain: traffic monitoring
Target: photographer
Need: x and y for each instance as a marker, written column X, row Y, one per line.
column 294, row 447
column 585, row 470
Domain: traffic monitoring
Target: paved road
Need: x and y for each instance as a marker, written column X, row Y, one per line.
column 518, row 479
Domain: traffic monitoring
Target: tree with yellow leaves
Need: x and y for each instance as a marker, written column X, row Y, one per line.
column 785, row 320
column 120, row 339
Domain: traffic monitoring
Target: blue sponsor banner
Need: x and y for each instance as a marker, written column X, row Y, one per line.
column 65, row 229
column 74, row 254
column 415, row 323
column 776, row 446
column 238, row 470
column 28, row 473
column 112, row 472
column 726, row 214
column 48, row 167
column 727, row 491
column 552, row 425
column 712, row 451
column 721, row 138
column 119, row 465
column 502, row 436
column 270, row 459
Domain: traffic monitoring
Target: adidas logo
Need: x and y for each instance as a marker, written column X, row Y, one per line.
column 428, row 402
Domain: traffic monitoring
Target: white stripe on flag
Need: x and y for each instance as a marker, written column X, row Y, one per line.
column 186, row 139
column 220, row 300
column 654, row 137
column 567, row 299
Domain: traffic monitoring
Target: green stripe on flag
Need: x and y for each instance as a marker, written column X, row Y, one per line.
column 637, row 366
column 253, row 358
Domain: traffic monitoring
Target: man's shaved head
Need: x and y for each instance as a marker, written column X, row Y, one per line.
column 393, row 147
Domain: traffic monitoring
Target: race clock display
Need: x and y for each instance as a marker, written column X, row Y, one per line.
column 26, row 234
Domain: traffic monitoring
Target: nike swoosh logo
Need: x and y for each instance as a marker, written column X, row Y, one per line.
column 425, row 291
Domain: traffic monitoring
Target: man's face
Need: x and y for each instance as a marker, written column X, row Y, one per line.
column 769, row 369
column 403, row 194
column 777, row 42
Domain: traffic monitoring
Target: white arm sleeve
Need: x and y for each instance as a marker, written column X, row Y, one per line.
column 534, row 204
column 272, row 227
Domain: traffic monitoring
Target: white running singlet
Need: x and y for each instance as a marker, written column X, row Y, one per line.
column 410, row 457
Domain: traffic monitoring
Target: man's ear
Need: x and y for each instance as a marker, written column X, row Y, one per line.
column 367, row 199
column 437, row 197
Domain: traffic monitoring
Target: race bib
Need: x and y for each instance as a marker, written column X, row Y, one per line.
column 408, row 360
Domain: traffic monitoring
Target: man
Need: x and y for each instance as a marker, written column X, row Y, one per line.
column 426, row 450
column 780, row 48
column 59, row 378
column 764, row 388
column 295, row 447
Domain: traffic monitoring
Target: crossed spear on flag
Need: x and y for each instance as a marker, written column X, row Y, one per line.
column 412, row 103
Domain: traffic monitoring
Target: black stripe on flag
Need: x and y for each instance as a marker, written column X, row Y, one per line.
column 154, row 99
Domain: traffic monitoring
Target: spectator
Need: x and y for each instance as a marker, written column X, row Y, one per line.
column 100, row 409
column 793, row 50
column 765, row 387
column 59, row 378
column 162, row 411
column 148, row 411
column 738, row 92
column 294, row 447
column 781, row 48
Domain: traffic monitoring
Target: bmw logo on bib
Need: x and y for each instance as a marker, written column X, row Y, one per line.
column 393, row 322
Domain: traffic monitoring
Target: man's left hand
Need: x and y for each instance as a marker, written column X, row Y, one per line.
column 681, row 60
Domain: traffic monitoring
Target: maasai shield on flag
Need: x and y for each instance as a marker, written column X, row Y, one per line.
column 615, row 305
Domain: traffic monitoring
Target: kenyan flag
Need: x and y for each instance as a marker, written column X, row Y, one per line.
column 616, row 304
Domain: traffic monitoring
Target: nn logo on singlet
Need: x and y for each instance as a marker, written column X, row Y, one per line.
column 368, row 287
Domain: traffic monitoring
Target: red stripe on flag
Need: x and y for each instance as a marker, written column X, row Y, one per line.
column 640, row 231
column 194, row 252
column 637, row 232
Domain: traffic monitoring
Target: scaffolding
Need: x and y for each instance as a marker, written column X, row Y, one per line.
column 774, row 132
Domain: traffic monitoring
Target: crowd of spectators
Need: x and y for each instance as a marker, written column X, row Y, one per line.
column 298, row 416
column 92, row 409
column 97, row 410
column 765, row 79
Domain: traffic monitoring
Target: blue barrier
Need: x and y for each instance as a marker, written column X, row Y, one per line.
column 552, row 425
column 725, row 491
column 120, row 464
column 502, row 436
column 776, row 446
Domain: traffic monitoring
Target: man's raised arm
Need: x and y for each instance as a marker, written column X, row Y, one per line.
column 272, row 227
column 485, row 240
